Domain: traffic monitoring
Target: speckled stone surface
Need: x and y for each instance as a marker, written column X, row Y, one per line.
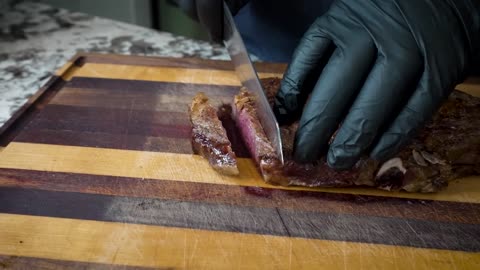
column 37, row 39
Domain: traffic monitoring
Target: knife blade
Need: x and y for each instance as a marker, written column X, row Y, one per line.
column 248, row 76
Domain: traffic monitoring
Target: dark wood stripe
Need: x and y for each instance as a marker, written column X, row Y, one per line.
column 245, row 196
column 134, row 100
column 185, row 62
column 107, row 140
column 27, row 112
column 233, row 218
column 116, row 128
column 139, row 88
column 54, row 112
column 28, row 263
column 112, row 121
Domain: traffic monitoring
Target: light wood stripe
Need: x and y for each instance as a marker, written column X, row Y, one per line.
column 471, row 86
column 161, row 74
column 181, row 167
column 155, row 246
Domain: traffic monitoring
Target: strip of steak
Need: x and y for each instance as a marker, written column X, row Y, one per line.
column 257, row 143
column 446, row 149
column 209, row 138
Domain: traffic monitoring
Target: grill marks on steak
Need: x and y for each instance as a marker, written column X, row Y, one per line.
column 254, row 137
column 209, row 138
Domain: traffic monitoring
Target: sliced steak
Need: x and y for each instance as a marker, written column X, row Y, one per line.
column 257, row 143
column 447, row 148
column 209, row 138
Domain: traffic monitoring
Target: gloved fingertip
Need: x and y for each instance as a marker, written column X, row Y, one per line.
column 288, row 94
column 339, row 159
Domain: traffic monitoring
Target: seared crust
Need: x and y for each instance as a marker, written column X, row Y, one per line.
column 209, row 138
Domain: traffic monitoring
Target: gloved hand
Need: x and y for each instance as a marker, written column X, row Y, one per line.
column 209, row 13
column 380, row 69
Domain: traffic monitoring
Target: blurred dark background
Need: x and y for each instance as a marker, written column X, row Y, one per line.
column 162, row 15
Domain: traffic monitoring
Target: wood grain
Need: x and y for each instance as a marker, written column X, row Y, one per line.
column 160, row 97
column 28, row 263
column 106, row 140
column 163, row 74
column 242, row 219
column 81, row 121
column 167, row 166
column 470, row 85
column 313, row 202
column 139, row 88
column 113, row 121
column 154, row 246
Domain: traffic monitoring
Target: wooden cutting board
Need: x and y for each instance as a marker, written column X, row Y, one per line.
column 97, row 172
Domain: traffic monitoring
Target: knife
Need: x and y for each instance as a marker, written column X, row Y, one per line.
column 249, row 79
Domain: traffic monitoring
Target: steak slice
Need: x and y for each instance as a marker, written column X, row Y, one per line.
column 260, row 148
column 447, row 148
column 209, row 138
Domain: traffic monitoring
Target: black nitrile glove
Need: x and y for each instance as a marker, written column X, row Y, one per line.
column 380, row 68
column 209, row 13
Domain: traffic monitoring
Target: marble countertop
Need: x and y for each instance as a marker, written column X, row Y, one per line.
column 37, row 39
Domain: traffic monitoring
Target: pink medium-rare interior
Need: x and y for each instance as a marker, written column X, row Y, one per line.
column 244, row 121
